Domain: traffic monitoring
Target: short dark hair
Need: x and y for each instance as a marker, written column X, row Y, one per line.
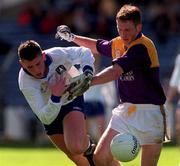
column 29, row 50
column 129, row 13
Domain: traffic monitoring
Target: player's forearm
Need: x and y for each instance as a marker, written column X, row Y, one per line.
column 45, row 111
column 107, row 75
column 86, row 42
column 64, row 32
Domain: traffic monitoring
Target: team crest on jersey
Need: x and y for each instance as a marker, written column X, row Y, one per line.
column 117, row 53
column 60, row 69
column 44, row 87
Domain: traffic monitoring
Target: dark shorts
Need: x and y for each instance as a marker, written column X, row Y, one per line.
column 56, row 127
column 94, row 108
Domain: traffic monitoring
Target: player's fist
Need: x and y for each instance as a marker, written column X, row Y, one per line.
column 64, row 32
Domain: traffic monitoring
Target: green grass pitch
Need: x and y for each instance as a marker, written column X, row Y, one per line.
column 170, row 156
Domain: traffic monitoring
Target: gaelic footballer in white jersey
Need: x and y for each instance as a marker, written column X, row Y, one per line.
column 36, row 91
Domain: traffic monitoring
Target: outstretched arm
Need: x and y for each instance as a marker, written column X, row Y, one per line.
column 86, row 42
column 107, row 75
column 64, row 32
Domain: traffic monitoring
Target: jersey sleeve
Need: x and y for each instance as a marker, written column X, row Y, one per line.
column 104, row 47
column 46, row 112
column 76, row 55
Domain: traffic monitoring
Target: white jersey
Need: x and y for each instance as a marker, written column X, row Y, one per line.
column 175, row 78
column 36, row 91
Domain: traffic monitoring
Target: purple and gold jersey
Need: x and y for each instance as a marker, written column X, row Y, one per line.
column 140, row 83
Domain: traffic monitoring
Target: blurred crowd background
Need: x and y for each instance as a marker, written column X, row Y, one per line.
column 21, row 20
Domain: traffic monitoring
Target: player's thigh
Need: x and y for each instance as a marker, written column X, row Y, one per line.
column 103, row 151
column 150, row 154
column 74, row 126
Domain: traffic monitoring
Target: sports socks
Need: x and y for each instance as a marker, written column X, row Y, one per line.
column 89, row 152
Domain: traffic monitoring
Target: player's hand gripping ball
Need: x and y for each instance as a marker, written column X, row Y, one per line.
column 125, row 147
column 79, row 85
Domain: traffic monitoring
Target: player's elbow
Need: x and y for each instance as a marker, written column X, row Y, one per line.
column 45, row 120
column 117, row 71
column 116, row 74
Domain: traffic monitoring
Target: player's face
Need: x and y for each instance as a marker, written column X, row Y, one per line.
column 36, row 67
column 128, row 31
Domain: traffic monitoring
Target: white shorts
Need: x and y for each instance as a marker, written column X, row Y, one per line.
column 145, row 121
column 178, row 104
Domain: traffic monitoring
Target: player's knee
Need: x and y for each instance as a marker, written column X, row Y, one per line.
column 74, row 158
column 104, row 158
column 76, row 147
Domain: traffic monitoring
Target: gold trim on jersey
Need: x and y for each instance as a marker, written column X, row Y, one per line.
column 118, row 49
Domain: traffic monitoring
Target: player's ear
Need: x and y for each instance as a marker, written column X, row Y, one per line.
column 139, row 27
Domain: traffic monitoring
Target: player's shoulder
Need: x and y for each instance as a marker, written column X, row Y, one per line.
column 62, row 51
column 56, row 54
column 142, row 39
column 117, row 39
column 54, row 51
column 143, row 42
